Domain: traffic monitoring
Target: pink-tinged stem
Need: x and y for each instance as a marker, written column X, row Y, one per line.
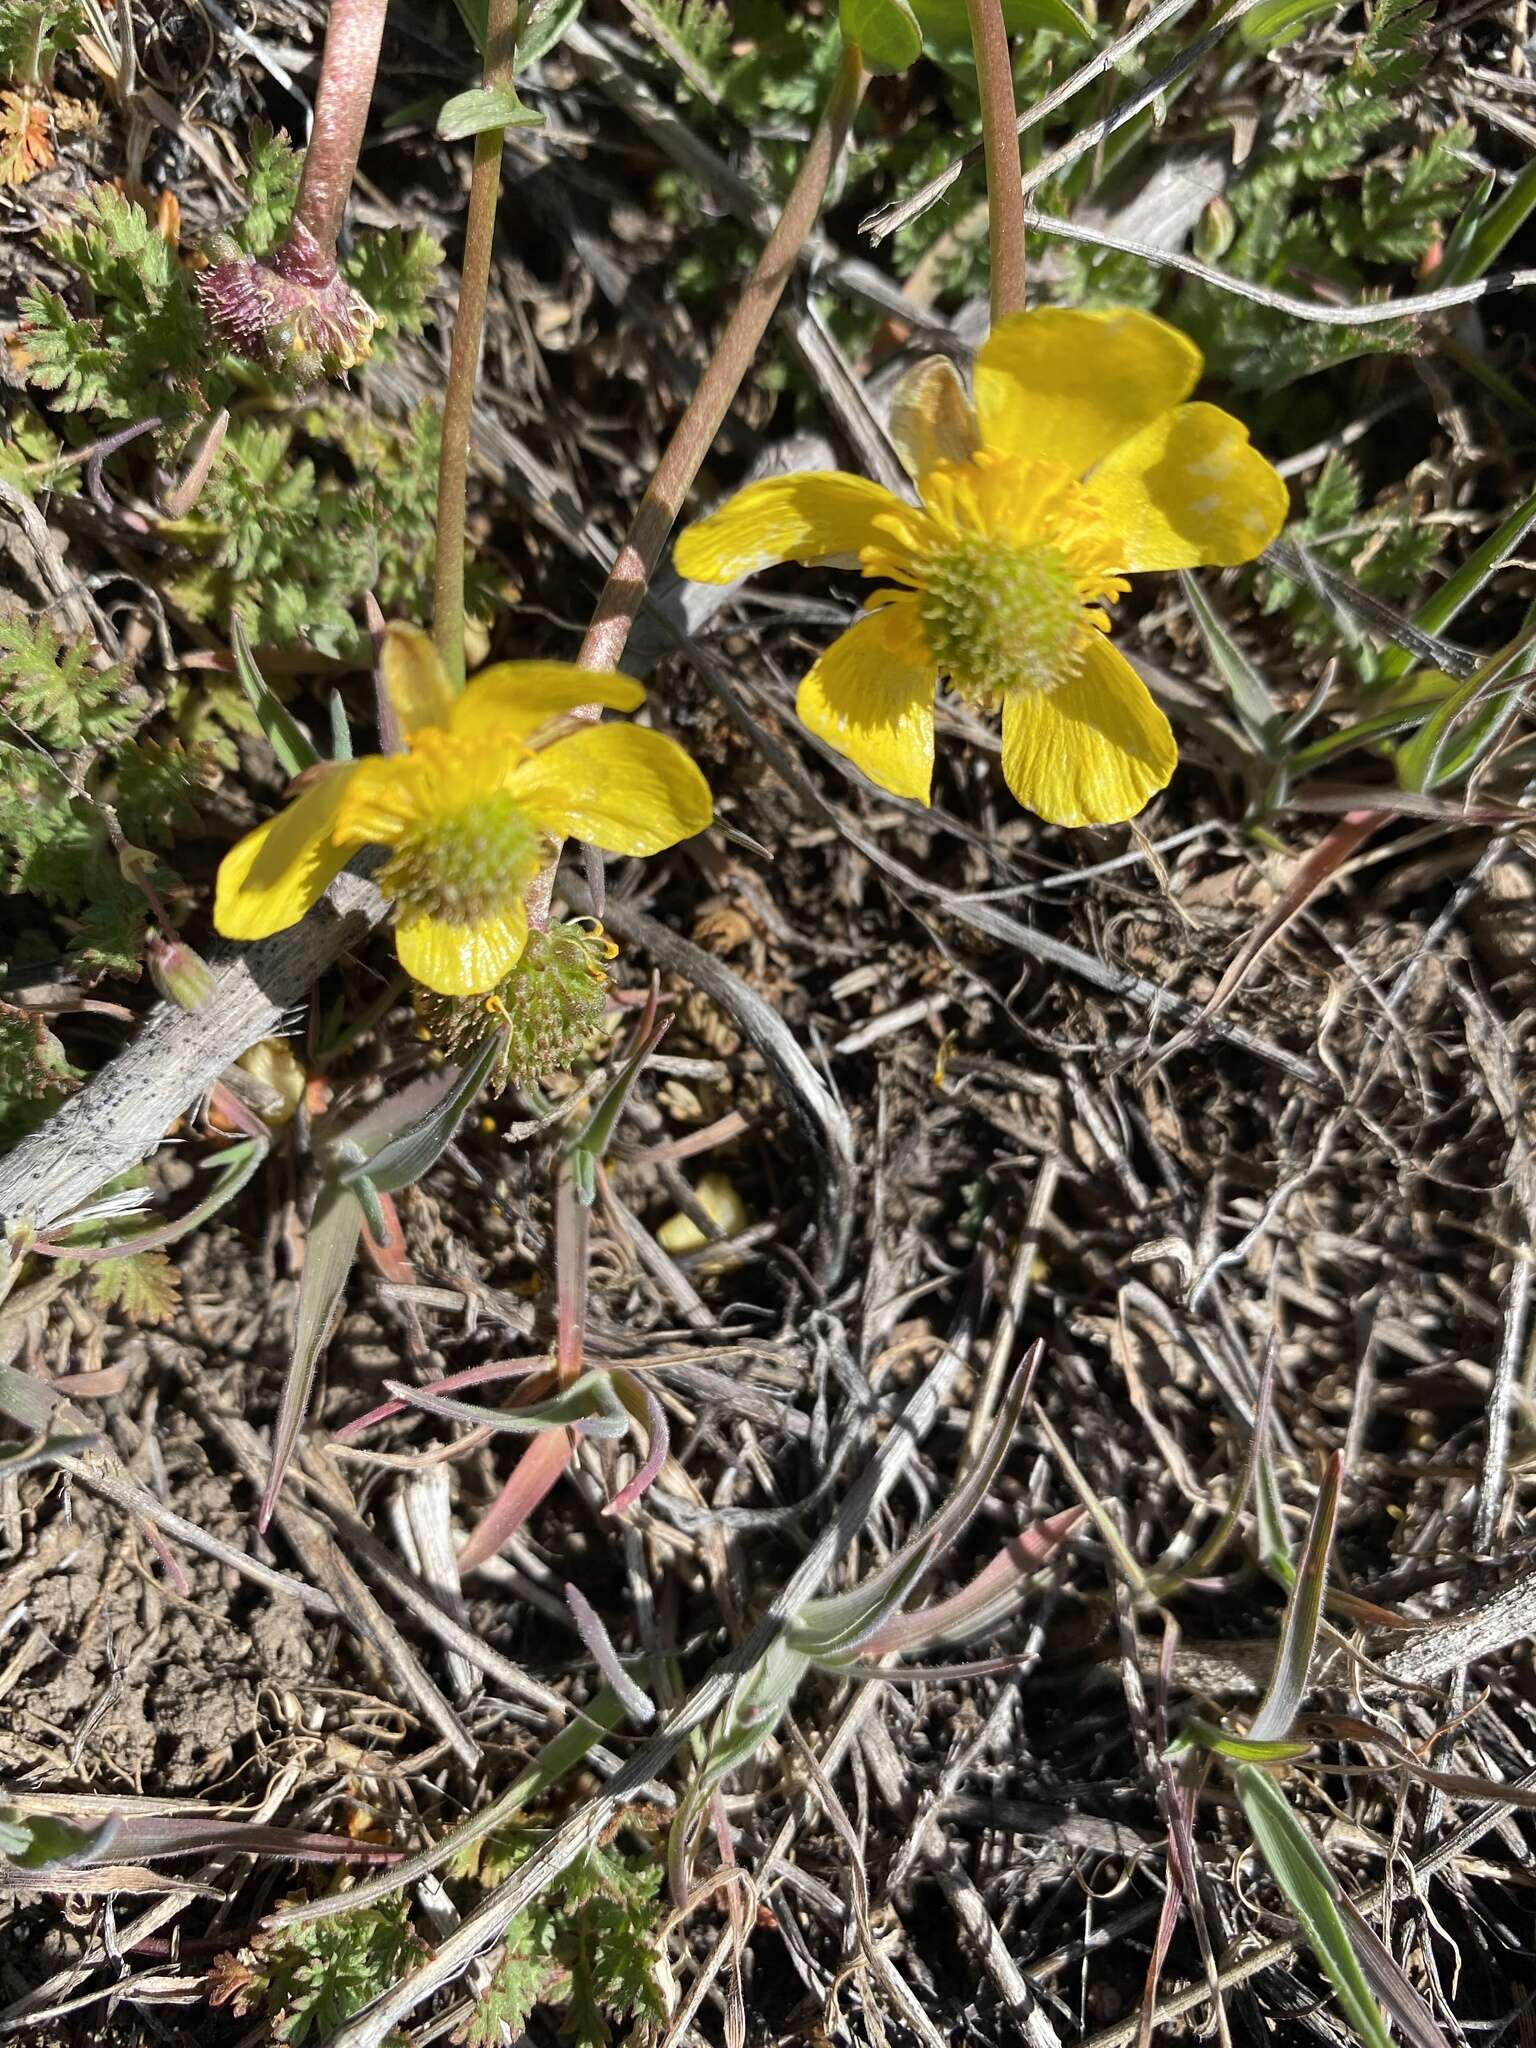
column 694, row 434
column 347, row 69
column 531, row 1478
column 1000, row 145
column 464, row 357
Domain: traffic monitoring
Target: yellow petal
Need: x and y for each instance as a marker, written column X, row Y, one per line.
column 716, row 1195
column 275, row 873
column 387, row 794
column 1068, row 386
column 870, row 697
column 1092, row 751
column 414, row 679
column 461, row 959
column 516, row 697
column 811, row 518
column 619, row 787
column 1189, row 492
column 931, row 417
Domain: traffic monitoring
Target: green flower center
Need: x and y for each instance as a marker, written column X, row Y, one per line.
column 465, row 865
column 995, row 615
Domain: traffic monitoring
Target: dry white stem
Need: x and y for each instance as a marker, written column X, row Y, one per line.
column 124, row 1111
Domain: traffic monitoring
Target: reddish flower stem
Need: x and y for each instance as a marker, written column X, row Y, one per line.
column 464, row 358
column 342, row 99
column 694, row 434
column 1000, row 145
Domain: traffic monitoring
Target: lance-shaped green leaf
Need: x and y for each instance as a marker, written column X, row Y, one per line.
column 980, row 1607
column 401, row 1138
column 234, row 1166
column 1312, row 1893
column 753, row 1711
column 1303, row 1611
column 42, row 1841
column 885, row 32
column 1278, row 22
column 329, row 1251
column 588, row 1405
column 1250, row 695
column 829, row 1628
column 540, row 25
column 286, row 737
column 1237, row 1749
column 484, row 108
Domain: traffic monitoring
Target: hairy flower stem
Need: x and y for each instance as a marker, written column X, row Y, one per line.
column 464, row 359
column 342, row 99
column 1000, row 143
column 694, row 434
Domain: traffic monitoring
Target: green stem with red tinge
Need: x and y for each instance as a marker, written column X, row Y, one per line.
column 464, row 359
column 694, row 434
column 1000, row 144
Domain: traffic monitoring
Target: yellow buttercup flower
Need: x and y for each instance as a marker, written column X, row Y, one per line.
column 1078, row 464
column 490, row 780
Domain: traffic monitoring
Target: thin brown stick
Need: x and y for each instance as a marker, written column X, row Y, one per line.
column 1000, row 142
column 464, row 358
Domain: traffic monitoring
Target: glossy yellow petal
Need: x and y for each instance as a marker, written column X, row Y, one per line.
column 1189, row 492
column 1063, row 385
column 811, row 518
column 619, row 787
column 1092, row 751
column 871, row 697
column 388, row 794
column 516, row 697
column 415, row 681
column 276, row 873
column 931, row 417
column 461, row 959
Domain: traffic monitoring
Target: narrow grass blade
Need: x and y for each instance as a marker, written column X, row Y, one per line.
column 1460, row 732
column 1458, row 591
column 329, row 1251
column 1298, row 1636
column 1243, row 1749
column 1250, row 698
column 1103, row 1521
column 831, row 1627
column 1405, row 2007
column 1309, row 878
column 1482, row 233
column 1312, row 1893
